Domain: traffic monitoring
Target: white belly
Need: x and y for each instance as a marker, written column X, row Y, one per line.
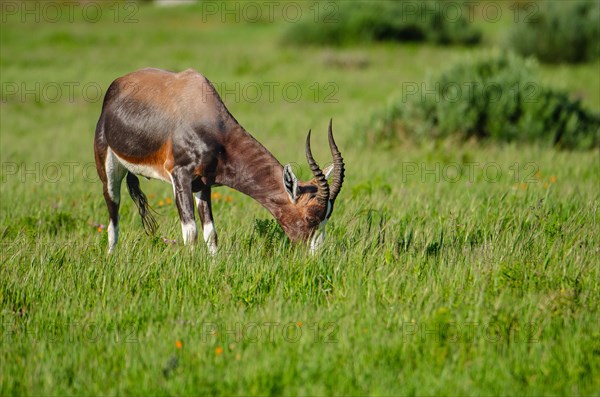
column 143, row 170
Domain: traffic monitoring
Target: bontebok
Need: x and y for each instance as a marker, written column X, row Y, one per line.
column 175, row 127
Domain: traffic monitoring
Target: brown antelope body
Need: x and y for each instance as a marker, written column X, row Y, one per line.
column 175, row 127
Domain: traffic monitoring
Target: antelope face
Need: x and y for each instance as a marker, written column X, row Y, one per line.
column 313, row 201
column 310, row 216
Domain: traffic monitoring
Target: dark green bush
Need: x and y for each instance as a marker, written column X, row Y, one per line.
column 559, row 31
column 494, row 97
column 349, row 22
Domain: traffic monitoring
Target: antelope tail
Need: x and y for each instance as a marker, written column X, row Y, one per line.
column 141, row 202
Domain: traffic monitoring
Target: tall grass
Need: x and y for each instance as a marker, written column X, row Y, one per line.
column 464, row 269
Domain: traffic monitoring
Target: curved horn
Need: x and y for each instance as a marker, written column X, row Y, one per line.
column 338, row 171
column 323, row 187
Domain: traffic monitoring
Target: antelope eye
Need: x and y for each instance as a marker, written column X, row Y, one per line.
column 312, row 222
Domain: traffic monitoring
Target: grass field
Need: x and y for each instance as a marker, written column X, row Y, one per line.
column 449, row 268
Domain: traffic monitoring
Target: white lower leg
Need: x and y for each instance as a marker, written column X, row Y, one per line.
column 189, row 232
column 210, row 237
column 113, row 236
column 115, row 172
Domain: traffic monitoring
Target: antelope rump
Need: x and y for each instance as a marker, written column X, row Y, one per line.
column 175, row 127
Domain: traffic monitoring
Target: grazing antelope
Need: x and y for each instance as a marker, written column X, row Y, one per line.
column 175, row 127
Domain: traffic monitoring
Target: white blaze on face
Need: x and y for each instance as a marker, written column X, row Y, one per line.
column 319, row 237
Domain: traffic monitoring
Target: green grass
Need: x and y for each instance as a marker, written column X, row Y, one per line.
column 431, row 282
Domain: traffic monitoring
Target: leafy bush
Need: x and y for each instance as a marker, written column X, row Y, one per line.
column 350, row 22
column 496, row 96
column 559, row 31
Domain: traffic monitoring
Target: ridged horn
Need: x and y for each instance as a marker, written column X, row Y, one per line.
column 338, row 171
column 323, row 187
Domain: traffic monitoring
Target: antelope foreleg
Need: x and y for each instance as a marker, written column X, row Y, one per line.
column 208, row 226
column 182, row 187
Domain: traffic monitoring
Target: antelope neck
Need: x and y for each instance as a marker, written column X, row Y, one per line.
column 254, row 171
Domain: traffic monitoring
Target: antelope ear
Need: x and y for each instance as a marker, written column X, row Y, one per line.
column 328, row 171
column 290, row 182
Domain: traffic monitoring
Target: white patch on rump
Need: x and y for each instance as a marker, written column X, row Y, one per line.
column 115, row 172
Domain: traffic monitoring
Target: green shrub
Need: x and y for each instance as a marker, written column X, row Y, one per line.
column 559, row 31
column 494, row 97
column 349, row 22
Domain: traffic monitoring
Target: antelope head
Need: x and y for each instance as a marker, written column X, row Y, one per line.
column 312, row 202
